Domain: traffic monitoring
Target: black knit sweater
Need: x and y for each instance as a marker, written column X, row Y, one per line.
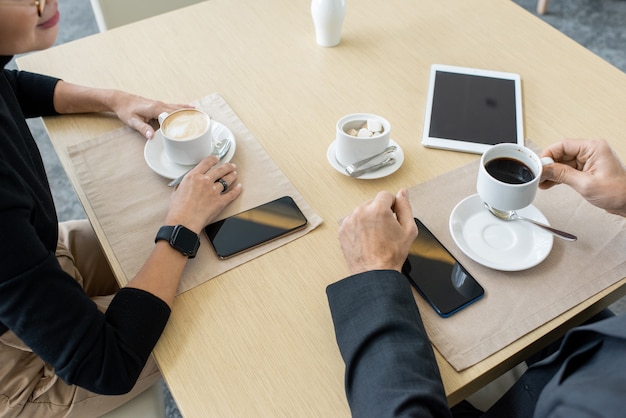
column 39, row 302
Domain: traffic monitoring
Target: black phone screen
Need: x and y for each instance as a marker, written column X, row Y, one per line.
column 255, row 226
column 437, row 276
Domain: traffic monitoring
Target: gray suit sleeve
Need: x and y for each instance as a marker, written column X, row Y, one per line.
column 390, row 365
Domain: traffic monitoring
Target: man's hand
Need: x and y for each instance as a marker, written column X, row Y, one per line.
column 592, row 169
column 378, row 234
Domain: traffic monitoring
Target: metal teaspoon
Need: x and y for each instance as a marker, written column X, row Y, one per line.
column 511, row 215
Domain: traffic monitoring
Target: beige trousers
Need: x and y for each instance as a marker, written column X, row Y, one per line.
column 28, row 386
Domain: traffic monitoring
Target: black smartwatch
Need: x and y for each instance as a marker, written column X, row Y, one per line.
column 180, row 238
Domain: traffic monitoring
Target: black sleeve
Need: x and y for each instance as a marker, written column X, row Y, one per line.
column 35, row 92
column 49, row 311
column 390, row 365
column 104, row 353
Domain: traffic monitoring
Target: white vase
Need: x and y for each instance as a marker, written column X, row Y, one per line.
column 328, row 18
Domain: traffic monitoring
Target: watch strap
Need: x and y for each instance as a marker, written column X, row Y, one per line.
column 180, row 238
column 165, row 233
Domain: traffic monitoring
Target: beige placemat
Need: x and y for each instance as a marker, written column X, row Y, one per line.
column 130, row 200
column 516, row 303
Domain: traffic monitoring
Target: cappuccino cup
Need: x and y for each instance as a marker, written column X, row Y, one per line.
column 186, row 135
column 509, row 175
column 359, row 136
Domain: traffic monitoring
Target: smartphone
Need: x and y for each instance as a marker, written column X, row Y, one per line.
column 438, row 277
column 256, row 226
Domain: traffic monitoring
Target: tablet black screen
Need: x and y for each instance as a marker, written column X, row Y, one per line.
column 473, row 108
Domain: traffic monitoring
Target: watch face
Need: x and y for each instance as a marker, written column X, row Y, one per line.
column 185, row 240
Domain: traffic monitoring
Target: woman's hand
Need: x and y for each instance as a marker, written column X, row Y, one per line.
column 200, row 197
column 137, row 111
column 195, row 203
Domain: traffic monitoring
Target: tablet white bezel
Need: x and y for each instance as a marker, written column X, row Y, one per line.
column 468, row 146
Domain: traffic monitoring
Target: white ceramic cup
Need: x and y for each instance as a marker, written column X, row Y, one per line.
column 500, row 181
column 186, row 135
column 350, row 149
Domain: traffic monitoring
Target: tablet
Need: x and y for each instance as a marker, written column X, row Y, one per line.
column 470, row 109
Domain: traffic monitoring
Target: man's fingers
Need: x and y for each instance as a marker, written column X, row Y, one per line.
column 563, row 174
column 404, row 212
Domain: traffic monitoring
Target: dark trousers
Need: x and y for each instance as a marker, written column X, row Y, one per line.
column 520, row 400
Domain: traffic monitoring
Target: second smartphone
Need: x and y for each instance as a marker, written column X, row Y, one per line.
column 438, row 277
column 256, row 226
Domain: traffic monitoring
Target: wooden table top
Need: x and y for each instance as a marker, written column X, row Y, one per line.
column 258, row 340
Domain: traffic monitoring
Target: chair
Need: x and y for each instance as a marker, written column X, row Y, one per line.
column 113, row 13
column 542, row 6
column 150, row 404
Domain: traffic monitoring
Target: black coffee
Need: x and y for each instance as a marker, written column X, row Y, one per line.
column 509, row 170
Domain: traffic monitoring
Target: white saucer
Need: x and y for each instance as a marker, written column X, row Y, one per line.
column 383, row 172
column 154, row 152
column 498, row 244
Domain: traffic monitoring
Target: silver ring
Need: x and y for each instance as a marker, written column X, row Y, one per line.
column 223, row 183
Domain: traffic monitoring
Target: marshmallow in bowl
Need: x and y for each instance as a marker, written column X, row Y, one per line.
column 364, row 133
column 369, row 128
column 374, row 125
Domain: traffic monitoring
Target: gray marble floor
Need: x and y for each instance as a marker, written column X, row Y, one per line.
column 598, row 25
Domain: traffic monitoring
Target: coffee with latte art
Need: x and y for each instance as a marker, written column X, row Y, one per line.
column 185, row 124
